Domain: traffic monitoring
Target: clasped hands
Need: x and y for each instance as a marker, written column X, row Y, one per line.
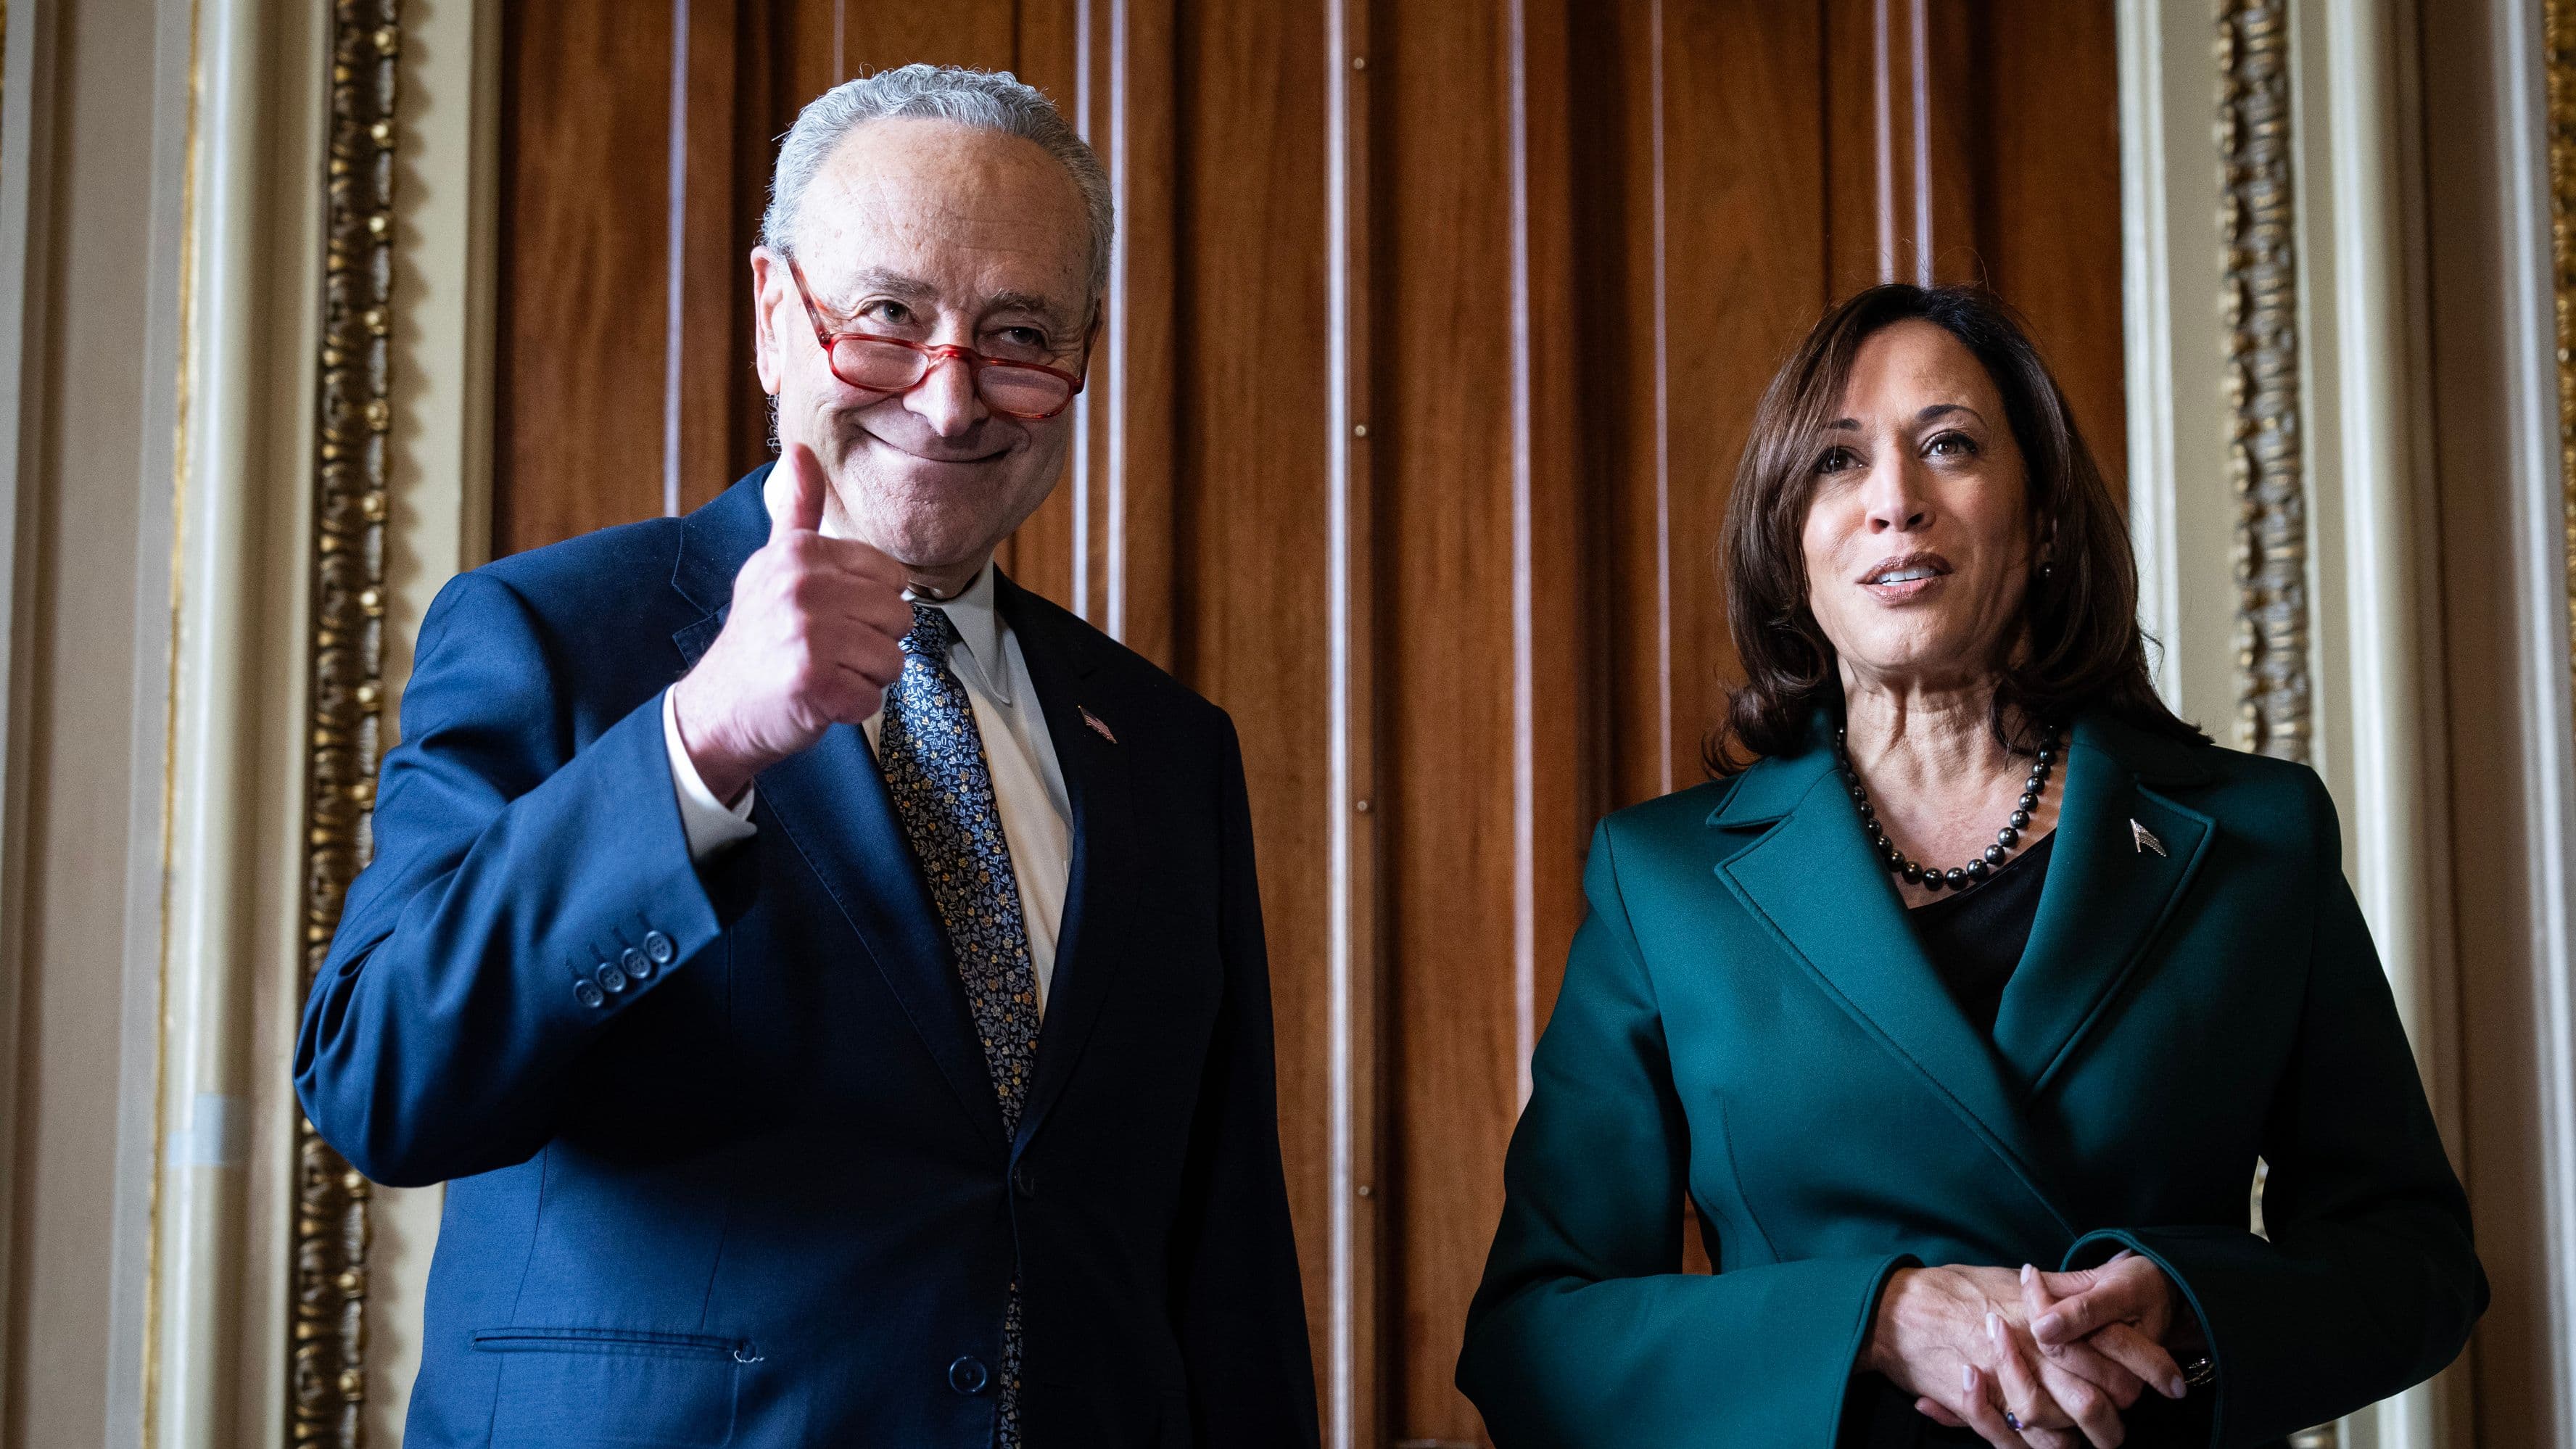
column 2029, row 1360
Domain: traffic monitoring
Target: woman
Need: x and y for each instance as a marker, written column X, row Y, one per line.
column 1974, row 957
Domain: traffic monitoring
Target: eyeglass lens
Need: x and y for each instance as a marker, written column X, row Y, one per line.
column 1006, row 387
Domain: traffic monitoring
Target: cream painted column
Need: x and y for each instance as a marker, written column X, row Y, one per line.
column 2297, row 618
column 231, row 863
column 2377, row 636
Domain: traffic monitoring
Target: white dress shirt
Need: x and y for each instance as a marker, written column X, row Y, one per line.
column 1028, row 784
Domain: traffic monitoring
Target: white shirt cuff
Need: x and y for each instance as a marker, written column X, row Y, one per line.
column 710, row 824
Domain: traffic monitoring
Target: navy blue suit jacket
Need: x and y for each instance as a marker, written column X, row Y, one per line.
column 725, row 1163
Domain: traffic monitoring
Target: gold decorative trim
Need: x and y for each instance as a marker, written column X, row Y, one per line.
column 326, row 1376
column 2558, row 51
column 2266, row 453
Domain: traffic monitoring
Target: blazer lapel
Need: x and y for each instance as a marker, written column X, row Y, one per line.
column 2123, row 857
column 1815, row 881
column 831, row 802
column 1061, row 663
column 715, row 541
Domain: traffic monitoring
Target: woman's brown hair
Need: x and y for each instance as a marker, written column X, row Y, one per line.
column 2079, row 646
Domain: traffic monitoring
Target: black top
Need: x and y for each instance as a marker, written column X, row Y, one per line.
column 1975, row 938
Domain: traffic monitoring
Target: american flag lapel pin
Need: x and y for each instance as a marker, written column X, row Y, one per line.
column 2144, row 839
column 1093, row 720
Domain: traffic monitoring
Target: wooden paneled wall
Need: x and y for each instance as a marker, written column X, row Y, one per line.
column 1434, row 332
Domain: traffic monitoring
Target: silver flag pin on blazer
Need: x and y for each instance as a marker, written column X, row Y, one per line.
column 2144, row 839
column 1093, row 720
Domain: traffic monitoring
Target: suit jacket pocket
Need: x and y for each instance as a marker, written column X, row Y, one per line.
column 603, row 1386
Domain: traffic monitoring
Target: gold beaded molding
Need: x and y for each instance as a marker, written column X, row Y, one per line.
column 2558, row 44
column 326, row 1384
column 2266, row 454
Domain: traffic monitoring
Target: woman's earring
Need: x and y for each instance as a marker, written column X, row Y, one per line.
column 2045, row 569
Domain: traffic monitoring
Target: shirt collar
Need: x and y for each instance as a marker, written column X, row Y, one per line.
column 979, row 629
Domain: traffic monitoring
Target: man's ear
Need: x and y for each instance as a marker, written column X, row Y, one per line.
column 766, row 273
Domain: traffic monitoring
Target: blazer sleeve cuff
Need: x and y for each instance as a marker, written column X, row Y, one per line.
column 658, row 914
column 2204, row 1265
column 1763, row 1354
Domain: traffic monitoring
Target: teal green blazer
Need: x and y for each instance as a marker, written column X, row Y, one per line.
column 1747, row 1019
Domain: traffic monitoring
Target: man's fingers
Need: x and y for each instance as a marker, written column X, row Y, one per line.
column 866, row 677
column 799, row 503
column 2143, row 1356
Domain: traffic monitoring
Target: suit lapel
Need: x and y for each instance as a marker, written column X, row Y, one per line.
column 1815, row 881
column 2108, row 892
column 831, row 802
column 715, row 542
column 1096, row 783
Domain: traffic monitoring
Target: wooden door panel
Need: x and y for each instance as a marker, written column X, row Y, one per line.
column 1248, row 524
column 582, row 297
column 1447, row 413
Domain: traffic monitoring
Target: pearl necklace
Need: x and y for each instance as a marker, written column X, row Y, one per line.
column 1957, row 877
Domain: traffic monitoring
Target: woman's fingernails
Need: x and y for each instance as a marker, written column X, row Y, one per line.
column 2175, row 1388
column 1995, row 1329
column 1968, row 1378
column 2027, row 1273
column 2048, row 1325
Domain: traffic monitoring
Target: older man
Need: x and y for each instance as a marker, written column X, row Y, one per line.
column 866, row 1038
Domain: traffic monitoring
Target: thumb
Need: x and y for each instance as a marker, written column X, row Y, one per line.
column 799, row 503
column 2082, row 1306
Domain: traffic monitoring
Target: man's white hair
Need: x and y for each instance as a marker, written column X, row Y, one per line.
column 988, row 99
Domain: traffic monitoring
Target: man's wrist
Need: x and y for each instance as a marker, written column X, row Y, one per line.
column 724, row 776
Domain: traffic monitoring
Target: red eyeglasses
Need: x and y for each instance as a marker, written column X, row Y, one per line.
column 872, row 363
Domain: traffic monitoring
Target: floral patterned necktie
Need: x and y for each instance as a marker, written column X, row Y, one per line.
column 933, row 758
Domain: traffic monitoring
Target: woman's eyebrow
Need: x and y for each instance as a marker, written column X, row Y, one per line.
column 1938, row 410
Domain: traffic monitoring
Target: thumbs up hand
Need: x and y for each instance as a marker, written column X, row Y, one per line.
column 812, row 640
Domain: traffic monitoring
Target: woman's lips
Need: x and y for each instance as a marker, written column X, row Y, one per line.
column 1907, row 588
column 1907, row 576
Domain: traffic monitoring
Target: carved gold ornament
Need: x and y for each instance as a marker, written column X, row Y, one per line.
column 2266, row 453
column 2558, row 49
column 326, row 1386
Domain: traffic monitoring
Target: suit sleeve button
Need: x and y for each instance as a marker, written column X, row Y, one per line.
column 659, row 948
column 587, row 992
column 637, row 965
column 968, row 1376
column 610, row 979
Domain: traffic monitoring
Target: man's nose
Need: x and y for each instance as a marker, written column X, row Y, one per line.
column 1897, row 501
column 945, row 398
